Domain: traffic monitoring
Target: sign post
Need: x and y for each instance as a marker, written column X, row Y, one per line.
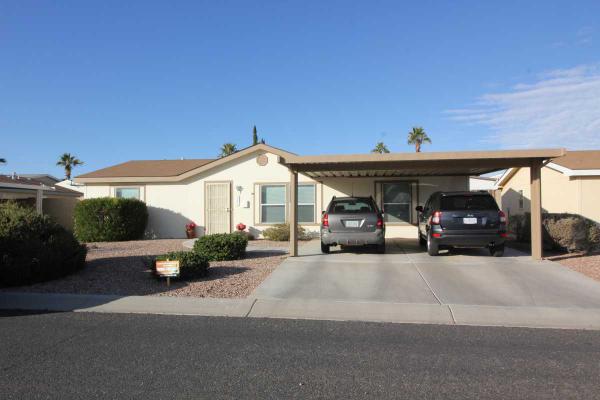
column 168, row 269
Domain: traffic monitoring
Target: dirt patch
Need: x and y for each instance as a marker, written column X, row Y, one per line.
column 587, row 264
column 120, row 268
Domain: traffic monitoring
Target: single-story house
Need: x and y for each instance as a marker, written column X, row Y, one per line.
column 259, row 186
column 42, row 192
column 570, row 184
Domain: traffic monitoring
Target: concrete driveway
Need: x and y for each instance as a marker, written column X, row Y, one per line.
column 406, row 274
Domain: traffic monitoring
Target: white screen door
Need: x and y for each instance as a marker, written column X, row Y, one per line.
column 218, row 207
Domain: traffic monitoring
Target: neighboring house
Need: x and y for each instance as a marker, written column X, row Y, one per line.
column 43, row 194
column 570, row 184
column 46, row 179
column 483, row 182
column 252, row 187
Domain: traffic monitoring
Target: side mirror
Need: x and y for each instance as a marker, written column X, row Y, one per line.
column 419, row 208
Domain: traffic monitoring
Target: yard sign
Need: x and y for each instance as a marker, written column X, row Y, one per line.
column 167, row 268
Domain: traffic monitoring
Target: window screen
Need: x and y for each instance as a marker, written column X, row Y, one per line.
column 272, row 204
column 128, row 193
column 306, row 203
column 397, row 201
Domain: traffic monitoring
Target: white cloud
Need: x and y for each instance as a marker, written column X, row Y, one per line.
column 562, row 108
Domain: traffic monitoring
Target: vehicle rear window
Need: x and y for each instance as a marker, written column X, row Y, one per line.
column 461, row 202
column 350, row 206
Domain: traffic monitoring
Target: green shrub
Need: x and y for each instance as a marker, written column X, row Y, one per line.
column 33, row 248
column 109, row 219
column 281, row 233
column 191, row 264
column 222, row 246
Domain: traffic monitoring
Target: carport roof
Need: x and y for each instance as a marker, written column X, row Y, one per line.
column 416, row 164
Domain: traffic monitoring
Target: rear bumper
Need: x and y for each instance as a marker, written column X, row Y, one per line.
column 353, row 238
column 469, row 240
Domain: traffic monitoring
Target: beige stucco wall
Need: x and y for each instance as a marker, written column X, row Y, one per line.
column 560, row 193
column 172, row 205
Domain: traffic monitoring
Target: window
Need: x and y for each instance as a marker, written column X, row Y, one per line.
column 351, row 206
column 396, row 201
column 521, row 200
column 306, row 203
column 128, row 193
column 477, row 203
column 272, row 204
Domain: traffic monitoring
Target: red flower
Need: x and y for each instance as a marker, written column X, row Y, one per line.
column 240, row 226
column 191, row 226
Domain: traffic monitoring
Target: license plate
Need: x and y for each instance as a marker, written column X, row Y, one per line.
column 469, row 221
column 352, row 224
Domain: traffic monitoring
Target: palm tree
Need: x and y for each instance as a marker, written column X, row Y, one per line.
column 228, row 149
column 2, row 160
column 417, row 136
column 68, row 162
column 380, row 148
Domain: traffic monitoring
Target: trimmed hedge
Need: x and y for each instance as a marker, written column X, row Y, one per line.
column 34, row 248
column 281, row 233
column 191, row 264
column 561, row 231
column 109, row 219
column 222, row 246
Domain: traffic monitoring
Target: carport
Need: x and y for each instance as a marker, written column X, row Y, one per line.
column 403, row 165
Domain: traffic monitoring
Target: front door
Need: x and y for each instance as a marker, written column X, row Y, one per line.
column 218, row 207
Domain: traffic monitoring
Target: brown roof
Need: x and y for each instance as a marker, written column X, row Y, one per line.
column 584, row 159
column 141, row 168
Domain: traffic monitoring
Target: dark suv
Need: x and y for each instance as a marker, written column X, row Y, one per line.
column 462, row 219
column 352, row 221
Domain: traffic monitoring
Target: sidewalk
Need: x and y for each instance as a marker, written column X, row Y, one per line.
column 446, row 314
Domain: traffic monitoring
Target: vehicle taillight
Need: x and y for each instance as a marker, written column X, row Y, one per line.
column 379, row 222
column 502, row 217
column 436, row 218
column 325, row 220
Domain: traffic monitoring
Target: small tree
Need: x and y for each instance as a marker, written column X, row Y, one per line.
column 380, row 148
column 68, row 162
column 2, row 160
column 417, row 136
column 254, row 136
column 228, row 149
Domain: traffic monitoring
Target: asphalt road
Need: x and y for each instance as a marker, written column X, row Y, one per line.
column 87, row 355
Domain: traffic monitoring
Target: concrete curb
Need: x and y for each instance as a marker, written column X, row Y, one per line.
column 447, row 314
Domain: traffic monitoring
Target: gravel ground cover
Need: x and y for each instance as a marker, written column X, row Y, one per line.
column 121, row 268
column 587, row 264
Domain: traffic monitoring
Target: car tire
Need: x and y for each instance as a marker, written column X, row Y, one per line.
column 432, row 247
column 422, row 240
column 497, row 251
column 381, row 248
column 324, row 248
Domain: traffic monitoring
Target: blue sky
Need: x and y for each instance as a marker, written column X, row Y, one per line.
column 112, row 81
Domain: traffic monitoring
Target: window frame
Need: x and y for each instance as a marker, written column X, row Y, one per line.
column 521, row 201
column 138, row 188
column 260, row 203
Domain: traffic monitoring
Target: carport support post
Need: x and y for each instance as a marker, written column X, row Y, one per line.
column 536, row 209
column 293, row 213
